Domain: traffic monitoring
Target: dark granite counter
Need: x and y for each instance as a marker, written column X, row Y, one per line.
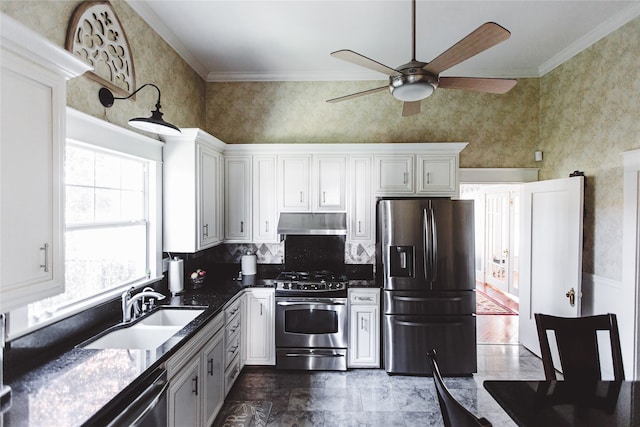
column 71, row 388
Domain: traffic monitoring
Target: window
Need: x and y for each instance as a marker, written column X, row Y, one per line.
column 107, row 226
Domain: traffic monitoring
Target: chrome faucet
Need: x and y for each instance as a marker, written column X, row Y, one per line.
column 134, row 303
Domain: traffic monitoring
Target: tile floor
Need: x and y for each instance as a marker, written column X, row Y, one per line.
column 370, row 397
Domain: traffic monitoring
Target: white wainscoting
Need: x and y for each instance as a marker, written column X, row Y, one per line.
column 601, row 295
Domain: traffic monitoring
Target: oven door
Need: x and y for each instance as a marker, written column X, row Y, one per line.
column 311, row 322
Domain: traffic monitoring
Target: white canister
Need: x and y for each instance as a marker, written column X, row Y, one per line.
column 176, row 276
column 249, row 264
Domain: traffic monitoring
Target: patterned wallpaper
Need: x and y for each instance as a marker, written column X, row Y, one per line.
column 155, row 62
column 589, row 115
column 502, row 130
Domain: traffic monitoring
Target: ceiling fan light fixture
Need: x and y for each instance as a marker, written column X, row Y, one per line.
column 413, row 92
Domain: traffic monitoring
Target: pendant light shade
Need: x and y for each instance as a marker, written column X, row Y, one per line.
column 153, row 124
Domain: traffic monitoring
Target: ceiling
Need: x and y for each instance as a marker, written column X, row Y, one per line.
column 264, row 40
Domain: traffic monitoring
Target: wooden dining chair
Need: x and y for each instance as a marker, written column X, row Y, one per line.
column 577, row 344
column 453, row 413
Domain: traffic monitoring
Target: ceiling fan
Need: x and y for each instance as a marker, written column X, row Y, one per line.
column 415, row 80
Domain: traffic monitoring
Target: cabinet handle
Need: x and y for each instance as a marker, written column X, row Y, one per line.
column 359, row 226
column 301, row 197
column 242, row 226
column 266, row 226
column 195, row 385
column 324, row 197
column 428, row 177
column 210, row 369
column 234, row 373
column 362, row 326
column 45, row 248
column 260, row 309
column 205, row 230
column 404, row 178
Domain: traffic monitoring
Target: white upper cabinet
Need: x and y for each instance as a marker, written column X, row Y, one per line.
column 329, row 181
column 265, row 214
column 361, row 212
column 431, row 170
column 294, row 183
column 32, row 132
column 193, row 185
column 437, row 174
column 394, row 174
column 237, row 199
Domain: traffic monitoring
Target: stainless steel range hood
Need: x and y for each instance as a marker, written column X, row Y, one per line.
column 312, row 224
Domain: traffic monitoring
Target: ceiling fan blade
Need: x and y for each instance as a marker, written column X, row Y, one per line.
column 478, row 84
column 363, row 61
column 487, row 35
column 357, row 94
column 410, row 108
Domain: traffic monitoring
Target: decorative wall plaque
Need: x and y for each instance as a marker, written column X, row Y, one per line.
column 96, row 36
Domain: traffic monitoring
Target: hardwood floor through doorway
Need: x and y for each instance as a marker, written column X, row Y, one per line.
column 497, row 329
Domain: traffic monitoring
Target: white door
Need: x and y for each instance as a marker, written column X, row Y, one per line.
column 551, row 258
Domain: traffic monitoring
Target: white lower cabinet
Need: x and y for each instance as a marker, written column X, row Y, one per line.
column 259, row 324
column 364, row 328
column 196, row 378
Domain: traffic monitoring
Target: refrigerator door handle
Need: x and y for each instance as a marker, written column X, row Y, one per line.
column 434, row 246
column 426, row 246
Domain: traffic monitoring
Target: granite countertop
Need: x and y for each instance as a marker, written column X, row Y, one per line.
column 72, row 388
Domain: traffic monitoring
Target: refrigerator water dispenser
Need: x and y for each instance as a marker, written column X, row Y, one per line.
column 401, row 261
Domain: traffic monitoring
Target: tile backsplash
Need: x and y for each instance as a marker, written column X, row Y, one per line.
column 274, row 253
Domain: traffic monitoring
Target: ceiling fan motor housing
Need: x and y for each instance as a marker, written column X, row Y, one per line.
column 414, row 84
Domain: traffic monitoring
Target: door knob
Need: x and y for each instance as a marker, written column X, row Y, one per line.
column 571, row 294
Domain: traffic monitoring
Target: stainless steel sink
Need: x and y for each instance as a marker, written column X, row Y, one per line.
column 148, row 333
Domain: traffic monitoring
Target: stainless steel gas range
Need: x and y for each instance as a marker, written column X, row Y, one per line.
column 311, row 320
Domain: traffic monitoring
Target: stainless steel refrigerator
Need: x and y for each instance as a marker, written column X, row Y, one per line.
column 426, row 256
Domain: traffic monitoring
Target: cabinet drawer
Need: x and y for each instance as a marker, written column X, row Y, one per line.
column 364, row 297
column 232, row 311
column 231, row 374
column 232, row 347
column 233, row 327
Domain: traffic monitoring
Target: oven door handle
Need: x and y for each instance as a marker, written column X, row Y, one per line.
column 293, row 303
column 313, row 355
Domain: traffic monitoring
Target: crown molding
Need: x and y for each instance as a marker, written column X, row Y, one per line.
column 598, row 33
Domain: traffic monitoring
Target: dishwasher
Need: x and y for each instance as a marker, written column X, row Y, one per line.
column 146, row 408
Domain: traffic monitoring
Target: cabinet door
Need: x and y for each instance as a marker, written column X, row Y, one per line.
column 437, row 175
column 260, row 327
column 184, row 396
column 294, row 183
column 361, row 215
column 31, row 144
column 238, row 199
column 394, row 174
column 212, row 366
column 209, row 197
column 363, row 348
column 264, row 199
column 330, row 183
